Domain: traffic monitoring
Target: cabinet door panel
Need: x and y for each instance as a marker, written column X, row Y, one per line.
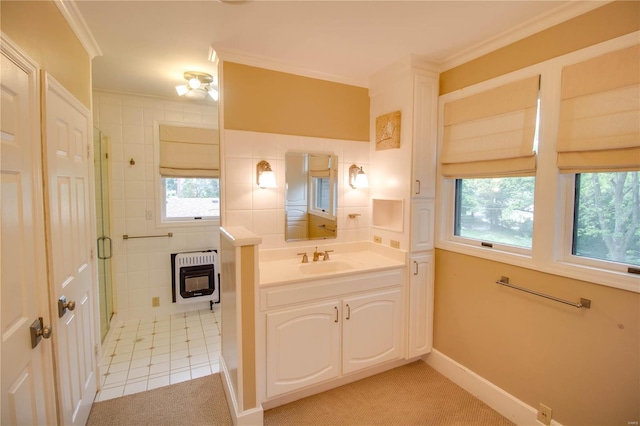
column 371, row 330
column 422, row 223
column 303, row 347
column 421, row 306
column 425, row 100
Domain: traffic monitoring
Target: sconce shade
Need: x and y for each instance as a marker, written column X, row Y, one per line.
column 265, row 177
column 357, row 177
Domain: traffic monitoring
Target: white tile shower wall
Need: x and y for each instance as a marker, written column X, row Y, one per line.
column 142, row 267
column 262, row 210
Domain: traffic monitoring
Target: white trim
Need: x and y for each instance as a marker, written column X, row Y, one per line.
column 79, row 26
column 270, row 64
column 540, row 23
column 253, row 417
column 495, row 397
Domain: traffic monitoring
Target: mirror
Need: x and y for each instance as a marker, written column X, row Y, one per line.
column 311, row 196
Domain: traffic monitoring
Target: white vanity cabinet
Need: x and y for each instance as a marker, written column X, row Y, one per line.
column 371, row 331
column 421, row 305
column 303, row 346
column 324, row 339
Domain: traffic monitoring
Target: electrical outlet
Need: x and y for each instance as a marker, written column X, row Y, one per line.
column 544, row 414
column 395, row 244
column 155, row 302
column 377, row 239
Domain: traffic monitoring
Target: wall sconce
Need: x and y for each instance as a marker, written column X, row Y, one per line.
column 265, row 177
column 357, row 177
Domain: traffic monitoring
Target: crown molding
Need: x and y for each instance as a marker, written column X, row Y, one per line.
column 542, row 22
column 79, row 26
column 262, row 62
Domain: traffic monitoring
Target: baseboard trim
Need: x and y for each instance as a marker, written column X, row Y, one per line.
column 497, row 398
column 253, row 417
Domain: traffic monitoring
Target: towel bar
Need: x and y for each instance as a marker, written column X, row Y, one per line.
column 129, row 237
column 584, row 303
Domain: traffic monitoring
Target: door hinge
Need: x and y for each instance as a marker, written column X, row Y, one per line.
column 88, row 151
column 91, row 253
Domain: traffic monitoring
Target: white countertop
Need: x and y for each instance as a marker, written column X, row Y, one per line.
column 344, row 260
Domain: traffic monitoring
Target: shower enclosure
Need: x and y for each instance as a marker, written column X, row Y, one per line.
column 103, row 229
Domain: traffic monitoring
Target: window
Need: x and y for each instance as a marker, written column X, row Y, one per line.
column 190, row 198
column 495, row 210
column 322, row 198
column 489, row 160
column 189, row 165
column 584, row 181
column 607, row 217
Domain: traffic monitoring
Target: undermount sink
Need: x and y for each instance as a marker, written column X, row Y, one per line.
column 326, row 267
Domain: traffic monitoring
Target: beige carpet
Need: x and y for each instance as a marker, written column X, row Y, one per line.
column 414, row 394
column 194, row 402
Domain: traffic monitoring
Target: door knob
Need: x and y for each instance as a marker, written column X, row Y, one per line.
column 63, row 305
column 39, row 331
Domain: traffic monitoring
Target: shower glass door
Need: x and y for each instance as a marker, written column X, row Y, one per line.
column 103, row 229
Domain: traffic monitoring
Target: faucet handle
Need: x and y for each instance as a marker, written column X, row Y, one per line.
column 305, row 258
column 326, row 254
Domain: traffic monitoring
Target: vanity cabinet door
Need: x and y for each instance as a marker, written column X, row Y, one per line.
column 303, row 347
column 421, row 305
column 371, row 330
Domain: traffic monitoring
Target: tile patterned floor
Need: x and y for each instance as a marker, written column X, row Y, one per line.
column 146, row 354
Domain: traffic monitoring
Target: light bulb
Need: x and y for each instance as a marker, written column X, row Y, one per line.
column 194, row 83
column 182, row 89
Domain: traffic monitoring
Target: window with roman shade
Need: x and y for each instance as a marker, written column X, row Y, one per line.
column 599, row 127
column 492, row 133
column 189, row 152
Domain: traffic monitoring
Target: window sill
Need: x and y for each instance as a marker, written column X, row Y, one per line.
column 590, row 274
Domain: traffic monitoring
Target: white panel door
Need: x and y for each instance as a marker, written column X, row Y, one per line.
column 371, row 331
column 70, row 232
column 303, row 347
column 27, row 373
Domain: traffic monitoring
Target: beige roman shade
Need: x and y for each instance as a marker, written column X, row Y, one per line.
column 319, row 165
column 599, row 127
column 189, row 152
column 492, row 133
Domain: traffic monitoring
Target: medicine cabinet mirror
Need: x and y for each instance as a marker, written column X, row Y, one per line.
column 311, row 196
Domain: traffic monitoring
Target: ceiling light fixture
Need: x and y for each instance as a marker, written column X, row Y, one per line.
column 199, row 84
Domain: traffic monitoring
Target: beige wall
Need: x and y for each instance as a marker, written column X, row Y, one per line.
column 612, row 20
column 260, row 100
column 584, row 364
column 41, row 31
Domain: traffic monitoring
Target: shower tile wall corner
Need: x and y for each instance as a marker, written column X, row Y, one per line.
column 142, row 268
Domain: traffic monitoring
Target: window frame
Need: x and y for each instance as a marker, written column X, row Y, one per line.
column 182, row 220
column 161, row 220
column 551, row 250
